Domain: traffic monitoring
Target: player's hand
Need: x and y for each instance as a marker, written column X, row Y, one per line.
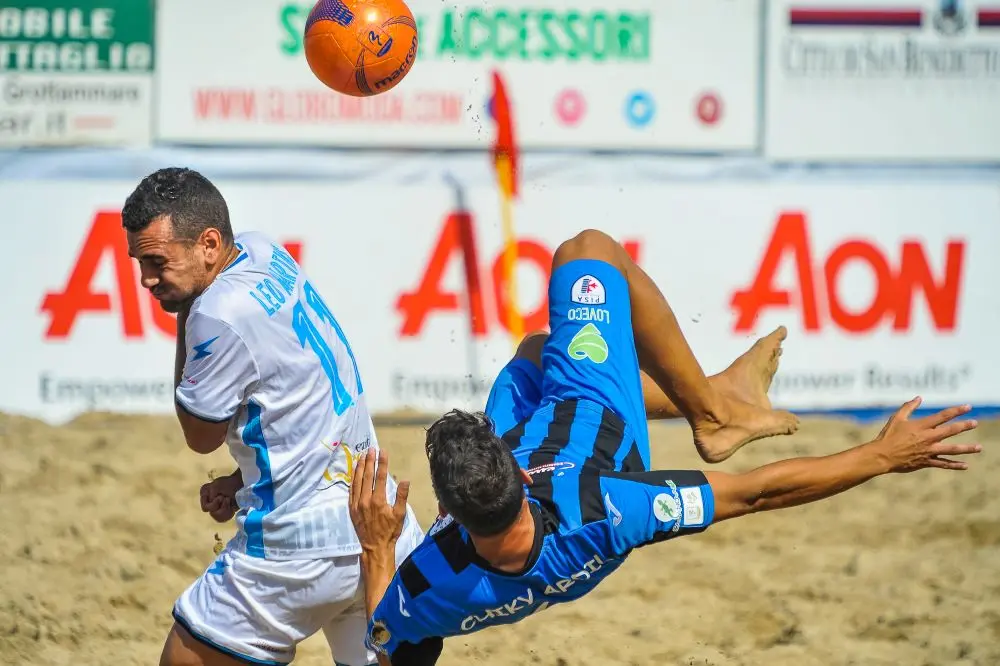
column 911, row 445
column 377, row 523
column 218, row 497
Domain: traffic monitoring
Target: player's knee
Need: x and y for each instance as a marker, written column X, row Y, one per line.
column 588, row 244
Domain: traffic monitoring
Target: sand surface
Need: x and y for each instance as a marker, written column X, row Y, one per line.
column 100, row 530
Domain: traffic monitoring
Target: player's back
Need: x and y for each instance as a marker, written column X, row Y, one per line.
column 274, row 353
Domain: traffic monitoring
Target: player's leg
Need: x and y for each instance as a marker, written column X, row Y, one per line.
column 183, row 649
column 517, row 389
column 248, row 610
column 747, row 378
column 721, row 423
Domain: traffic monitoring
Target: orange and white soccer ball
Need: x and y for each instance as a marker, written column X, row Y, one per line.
column 361, row 47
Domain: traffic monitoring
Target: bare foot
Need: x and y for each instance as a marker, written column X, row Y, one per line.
column 749, row 377
column 743, row 424
column 745, row 384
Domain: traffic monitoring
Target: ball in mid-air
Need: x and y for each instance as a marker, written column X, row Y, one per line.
column 360, row 47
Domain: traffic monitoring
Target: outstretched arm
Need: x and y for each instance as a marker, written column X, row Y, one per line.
column 378, row 525
column 902, row 446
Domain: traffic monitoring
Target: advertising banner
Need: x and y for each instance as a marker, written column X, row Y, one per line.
column 76, row 73
column 649, row 74
column 888, row 291
column 908, row 80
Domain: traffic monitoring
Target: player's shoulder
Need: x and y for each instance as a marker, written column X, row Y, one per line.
column 254, row 241
column 231, row 298
column 226, row 301
column 436, row 561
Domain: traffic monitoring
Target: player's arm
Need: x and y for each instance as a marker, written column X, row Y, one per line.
column 902, row 446
column 214, row 369
column 378, row 526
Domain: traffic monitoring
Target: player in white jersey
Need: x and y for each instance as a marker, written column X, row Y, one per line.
column 262, row 365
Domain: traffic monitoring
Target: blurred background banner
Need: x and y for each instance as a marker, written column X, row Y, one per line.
column 77, row 72
column 888, row 289
column 640, row 74
column 883, row 273
column 903, row 81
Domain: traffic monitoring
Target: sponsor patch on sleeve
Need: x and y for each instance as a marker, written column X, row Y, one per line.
column 694, row 507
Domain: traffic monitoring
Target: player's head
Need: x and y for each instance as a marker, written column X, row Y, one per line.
column 178, row 228
column 474, row 474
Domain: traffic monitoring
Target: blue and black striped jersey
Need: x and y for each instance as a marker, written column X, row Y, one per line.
column 593, row 502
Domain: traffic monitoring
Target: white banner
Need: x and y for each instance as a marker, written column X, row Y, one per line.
column 908, row 80
column 648, row 74
column 888, row 291
column 76, row 73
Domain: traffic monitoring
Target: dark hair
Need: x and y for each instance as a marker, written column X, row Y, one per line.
column 473, row 472
column 192, row 202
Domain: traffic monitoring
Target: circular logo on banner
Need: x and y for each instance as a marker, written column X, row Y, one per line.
column 709, row 108
column 570, row 106
column 640, row 109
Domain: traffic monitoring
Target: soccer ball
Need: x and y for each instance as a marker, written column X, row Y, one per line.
column 360, row 47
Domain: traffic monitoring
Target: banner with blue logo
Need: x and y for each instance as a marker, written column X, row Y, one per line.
column 626, row 74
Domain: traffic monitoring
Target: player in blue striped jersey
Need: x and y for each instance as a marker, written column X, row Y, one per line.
column 547, row 493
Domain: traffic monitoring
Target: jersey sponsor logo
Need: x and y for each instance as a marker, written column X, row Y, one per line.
column 589, row 569
column 379, row 636
column 509, row 609
column 201, row 350
column 352, row 453
column 616, row 515
column 667, row 507
column 551, row 467
column 588, row 344
column 589, row 291
column 694, row 507
column 590, row 314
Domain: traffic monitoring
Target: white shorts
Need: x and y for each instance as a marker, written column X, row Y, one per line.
column 258, row 610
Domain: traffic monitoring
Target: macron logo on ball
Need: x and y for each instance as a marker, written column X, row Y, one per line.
column 588, row 290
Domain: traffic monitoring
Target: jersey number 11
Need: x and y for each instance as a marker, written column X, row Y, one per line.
column 307, row 333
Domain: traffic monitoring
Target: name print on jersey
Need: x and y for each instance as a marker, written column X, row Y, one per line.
column 285, row 272
column 591, row 567
column 519, row 603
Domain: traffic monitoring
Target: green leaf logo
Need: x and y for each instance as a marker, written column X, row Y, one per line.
column 588, row 343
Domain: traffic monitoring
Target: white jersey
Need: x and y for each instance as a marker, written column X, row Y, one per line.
column 265, row 352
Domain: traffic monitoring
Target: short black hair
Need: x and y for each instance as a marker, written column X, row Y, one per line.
column 191, row 200
column 474, row 473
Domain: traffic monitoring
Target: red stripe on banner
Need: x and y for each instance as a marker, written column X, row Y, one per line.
column 989, row 18
column 856, row 17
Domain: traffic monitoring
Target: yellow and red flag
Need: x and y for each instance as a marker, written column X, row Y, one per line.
column 505, row 161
